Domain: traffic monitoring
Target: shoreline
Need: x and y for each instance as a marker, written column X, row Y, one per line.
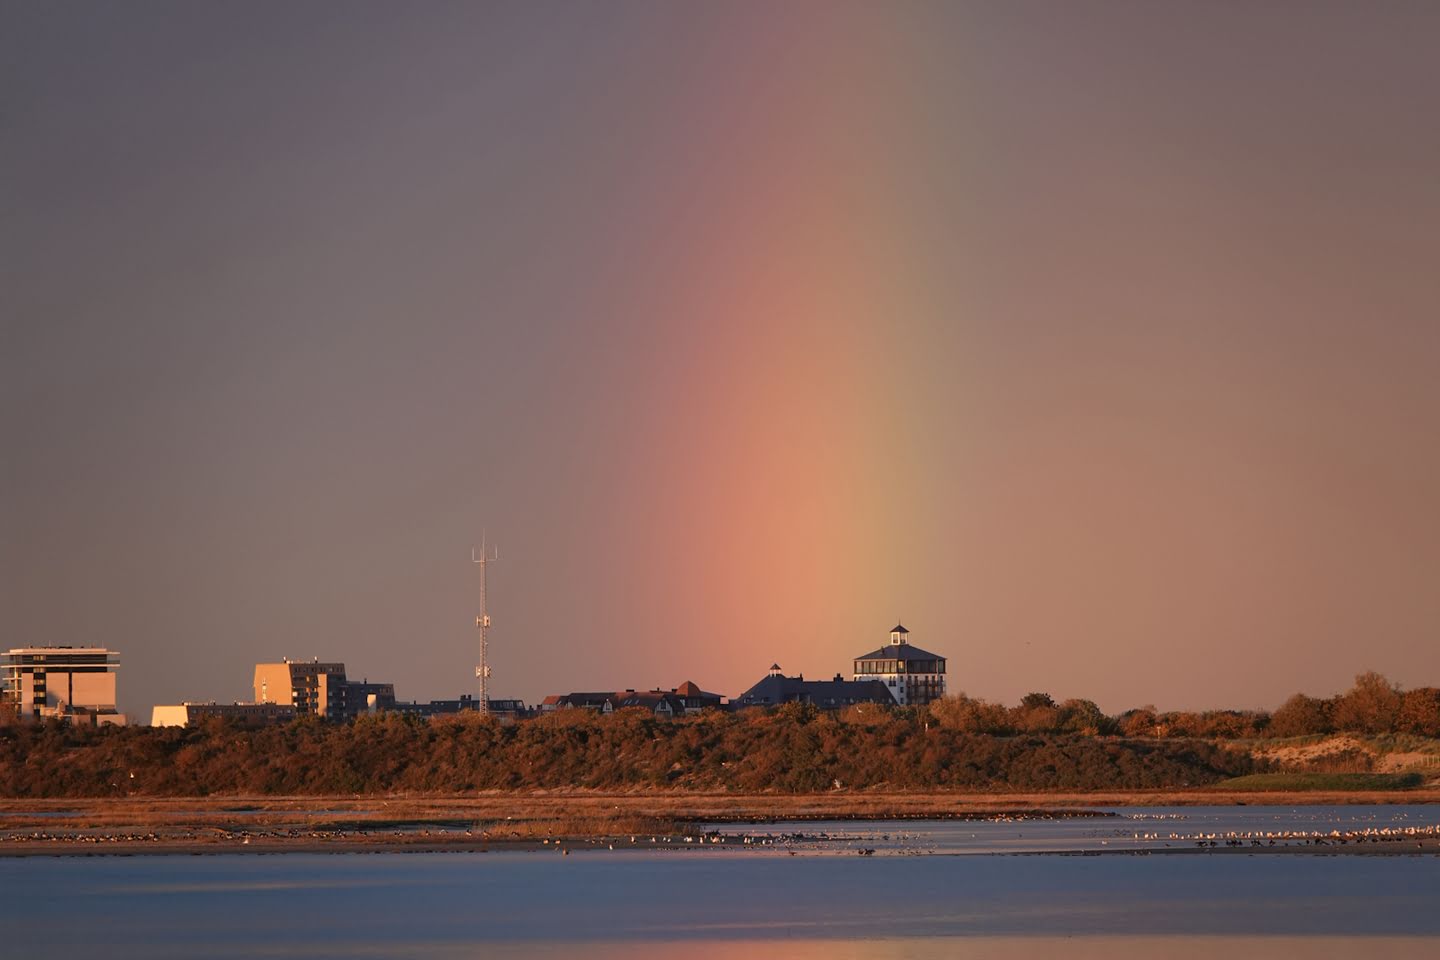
column 582, row 821
column 1428, row 848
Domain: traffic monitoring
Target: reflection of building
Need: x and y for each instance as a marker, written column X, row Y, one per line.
column 320, row 689
column 912, row 675
column 187, row 713
column 776, row 688
column 70, row 682
column 681, row 701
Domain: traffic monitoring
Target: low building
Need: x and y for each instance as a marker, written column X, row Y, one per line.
column 503, row 709
column 913, row 676
column 776, row 688
column 694, row 699
column 362, row 696
column 510, row 709
column 599, row 702
column 667, row 706
column 185, row 714
column 71, row 683
column 320, row 689
column 683, row 700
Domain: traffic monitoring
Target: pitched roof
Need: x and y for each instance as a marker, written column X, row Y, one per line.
column 652, row 700
column 774, row 689
column 900, row 651
column 589, row 699
column 899, row 628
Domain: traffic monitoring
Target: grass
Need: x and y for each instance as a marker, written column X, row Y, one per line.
column 1339, row 782
column 1378, row 742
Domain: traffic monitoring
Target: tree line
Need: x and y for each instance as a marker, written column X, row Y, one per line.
column 958, row 742
column 1372, row 706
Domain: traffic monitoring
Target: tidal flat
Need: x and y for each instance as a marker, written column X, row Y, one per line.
column 865, row 825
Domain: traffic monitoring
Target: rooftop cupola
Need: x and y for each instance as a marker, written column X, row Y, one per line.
column 774, row 669
column 899, row 635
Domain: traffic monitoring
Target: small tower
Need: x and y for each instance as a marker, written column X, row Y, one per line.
column 913, row 676
column 775, row 670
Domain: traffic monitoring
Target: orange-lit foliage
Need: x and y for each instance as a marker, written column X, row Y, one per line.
column 1372, row 706
column 793, row 749
column 956, row 743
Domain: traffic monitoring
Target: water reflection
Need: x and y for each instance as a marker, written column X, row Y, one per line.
column 1010, row 948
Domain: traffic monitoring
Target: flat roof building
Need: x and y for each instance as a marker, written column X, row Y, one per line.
column 185, row 714
column 500, row 709
column 68, row 682
column 320, row 689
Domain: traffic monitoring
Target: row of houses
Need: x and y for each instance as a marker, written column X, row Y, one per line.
column 897, row 673
column 677, row 702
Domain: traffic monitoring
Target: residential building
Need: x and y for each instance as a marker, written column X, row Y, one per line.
column 776, row 688
column 666, row 706
column 683, row 700
column 76, row 683
column 913, row 676
column 599, row 702
column 184, row 714
column 694, row 699
column 320, row 689
column 502, row 709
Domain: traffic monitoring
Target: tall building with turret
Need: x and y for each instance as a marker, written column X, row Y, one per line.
column 913, row 676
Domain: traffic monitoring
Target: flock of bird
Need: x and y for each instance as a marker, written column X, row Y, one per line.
column 860, row 843
column 1315, row 838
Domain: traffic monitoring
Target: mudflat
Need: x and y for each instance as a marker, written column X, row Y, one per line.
column 576, row 819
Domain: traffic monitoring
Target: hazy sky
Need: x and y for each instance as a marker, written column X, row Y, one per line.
column 1099, row 341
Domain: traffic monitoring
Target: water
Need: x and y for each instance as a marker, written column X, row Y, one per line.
column 651, row 903
column 1123, row 829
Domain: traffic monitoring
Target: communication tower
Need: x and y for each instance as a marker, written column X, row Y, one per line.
column 482, row 622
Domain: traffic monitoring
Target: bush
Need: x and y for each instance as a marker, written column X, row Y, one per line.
column 788, row 750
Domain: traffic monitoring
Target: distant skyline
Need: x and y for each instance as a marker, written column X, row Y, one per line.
column 1096, row 340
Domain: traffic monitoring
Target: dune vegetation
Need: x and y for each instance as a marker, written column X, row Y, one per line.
column 794, row 749
column 956, row 744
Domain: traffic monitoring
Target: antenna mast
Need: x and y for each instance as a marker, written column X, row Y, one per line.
column 482, row 622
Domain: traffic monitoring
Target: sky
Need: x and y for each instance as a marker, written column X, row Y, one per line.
column 1097, row 341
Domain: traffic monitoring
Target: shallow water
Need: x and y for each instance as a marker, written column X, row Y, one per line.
column 1123, row 828
column 705, row 903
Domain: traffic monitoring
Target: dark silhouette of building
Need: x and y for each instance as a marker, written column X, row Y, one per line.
column 683, row 700
column 776, row 688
